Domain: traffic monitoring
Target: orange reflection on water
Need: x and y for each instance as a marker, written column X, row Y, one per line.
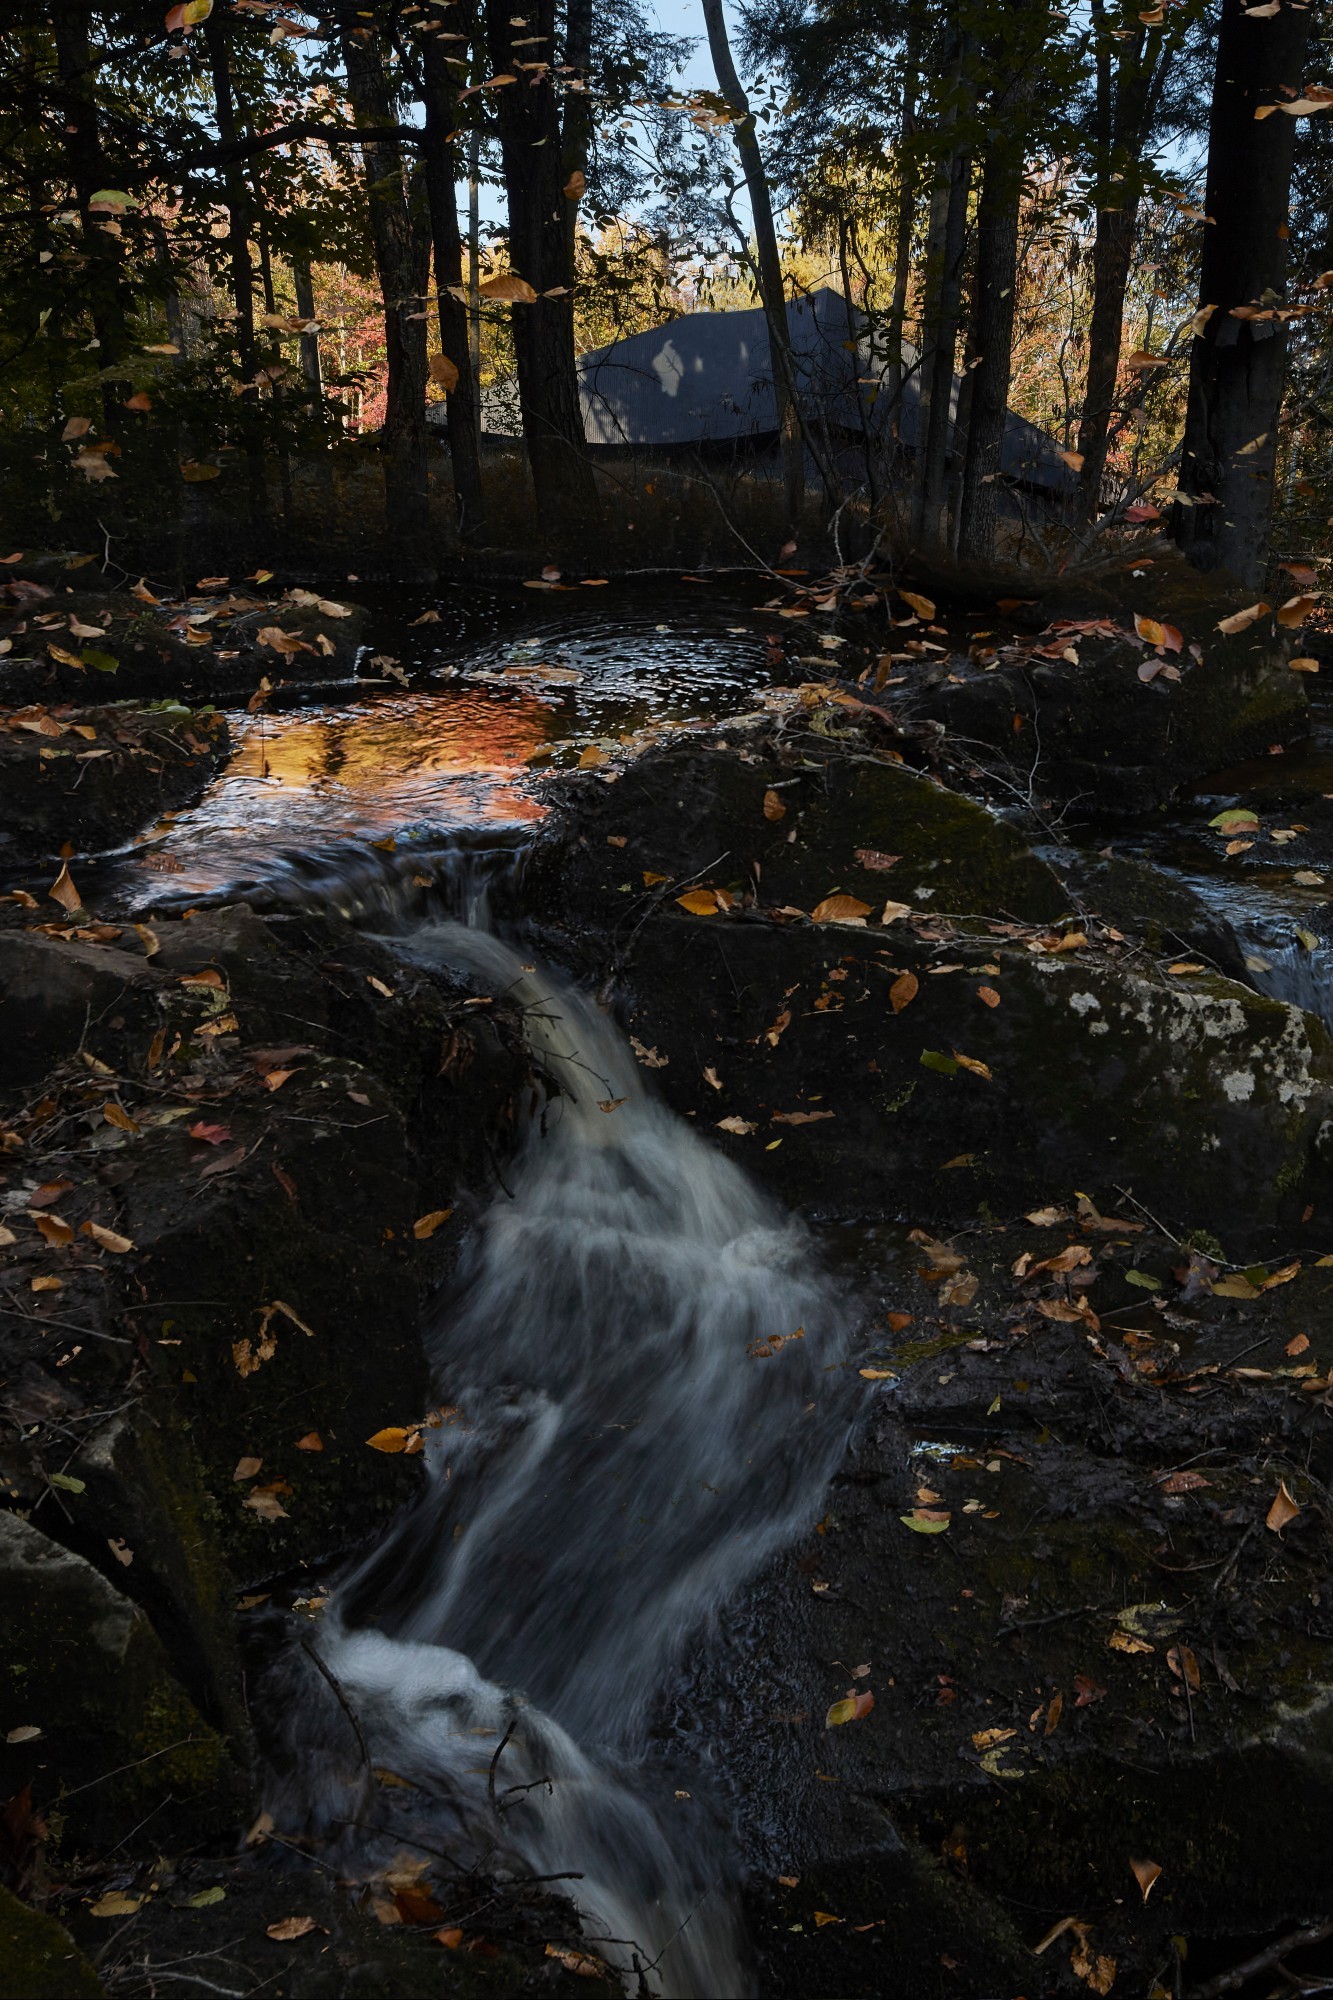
column 397, row 755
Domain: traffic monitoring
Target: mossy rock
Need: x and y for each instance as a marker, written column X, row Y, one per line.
column 38, row 1959
column 693, row 815
column 118, row 1736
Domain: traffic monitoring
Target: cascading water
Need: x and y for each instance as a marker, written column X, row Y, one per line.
column 639, row 1374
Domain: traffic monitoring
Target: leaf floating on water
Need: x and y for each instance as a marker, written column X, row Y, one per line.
column 878, row 1374
column 611, row 1103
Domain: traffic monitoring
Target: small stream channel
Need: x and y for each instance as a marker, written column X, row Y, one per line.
column 610, row 1466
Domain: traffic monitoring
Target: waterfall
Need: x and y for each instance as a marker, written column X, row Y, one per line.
column 638, row 1368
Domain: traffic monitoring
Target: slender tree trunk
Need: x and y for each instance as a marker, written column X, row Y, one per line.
column 399, row 237
column 576, row 133
column 474, row 271
column 1237, row 365
column 441, row 103
column 771, row 290
column 907, row 190
column 240, row 207
column 1111, row 254
column 941, row 309
column 303, row 285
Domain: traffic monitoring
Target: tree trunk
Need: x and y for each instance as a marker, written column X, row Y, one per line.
column 240, row 208
column 303, row 285
column 527, row 116
column 576, row 135
column 995, row 296
column 907, row 188
column 1237, row 365
column 398, row 237
column 1111, row 254
column 441, row 103
column 941, row 306
column 474, row 271
column 76, row 68
column 771, row 290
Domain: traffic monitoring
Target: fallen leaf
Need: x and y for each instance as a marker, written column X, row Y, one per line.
column 312, row 1441
column 396, row 1438
column 875, row 861
column 62, row 891
column 774, row 805
column 1283, row 1509
column 986, row 1739
column 210, row 1135
column 699, row 902
column 106, row 1239
column 426, row 1225
column 1088, row 1691
column 852, row 1709
column 903, row 991
column 116, row 1904
column 925, row 1521
column 1125, row 1642
column 1240, row 621
column 248, row 1468
column 1145, row 1873
column 1185, row 1482
column 740, row 1126
column 1185, row 1667
column 581, row 1963
column 840, row 909
column 924, row 607
column 288, row 1928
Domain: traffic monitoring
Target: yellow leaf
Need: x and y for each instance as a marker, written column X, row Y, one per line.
column 115, row 1114
column 1149, row 629
column 508, row 287
column 986, row 1739
column 426, row 1225
column 838, row 909
column 971, row 1062
column 699, row 902
column 823, row 1917
column 395, row 1438
column 116, row 1904
column 924, row 607
column 1073, row 459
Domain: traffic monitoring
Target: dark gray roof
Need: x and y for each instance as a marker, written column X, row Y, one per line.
column 704, row 379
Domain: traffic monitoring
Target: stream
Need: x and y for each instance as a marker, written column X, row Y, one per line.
column 636, row 1366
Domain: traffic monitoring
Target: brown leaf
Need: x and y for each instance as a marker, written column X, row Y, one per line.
column 1088, row 1691
column 854, row 1708
column 903, row 991
column 924, row 607
column 774, row 805
column 62, row 891
column 106, row 1239
column 248, row 1468
column 288, row 1928
column 1145, row 1873
column 211, row 1135
column 989, row 995
column 1283, row 1509
column 1185, row 1667
column 426, row 1225
column 54, row 1230
column 508, row 287
column 396, row 1438
column 840, row 909
column 1239, row 621
column 1182, row 1482
column 875, row 861
column 576, row 186
column 312, row 1441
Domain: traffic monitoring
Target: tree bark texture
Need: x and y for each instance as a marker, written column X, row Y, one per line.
column 1238, row 363
column 771, row 289
column 941, row 305
column 441, row 104
column 401, row 244
column 527, row 115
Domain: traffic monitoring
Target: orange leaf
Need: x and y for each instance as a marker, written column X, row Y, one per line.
column 1283, row 1510
column 903, row 991
column 838, row 909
